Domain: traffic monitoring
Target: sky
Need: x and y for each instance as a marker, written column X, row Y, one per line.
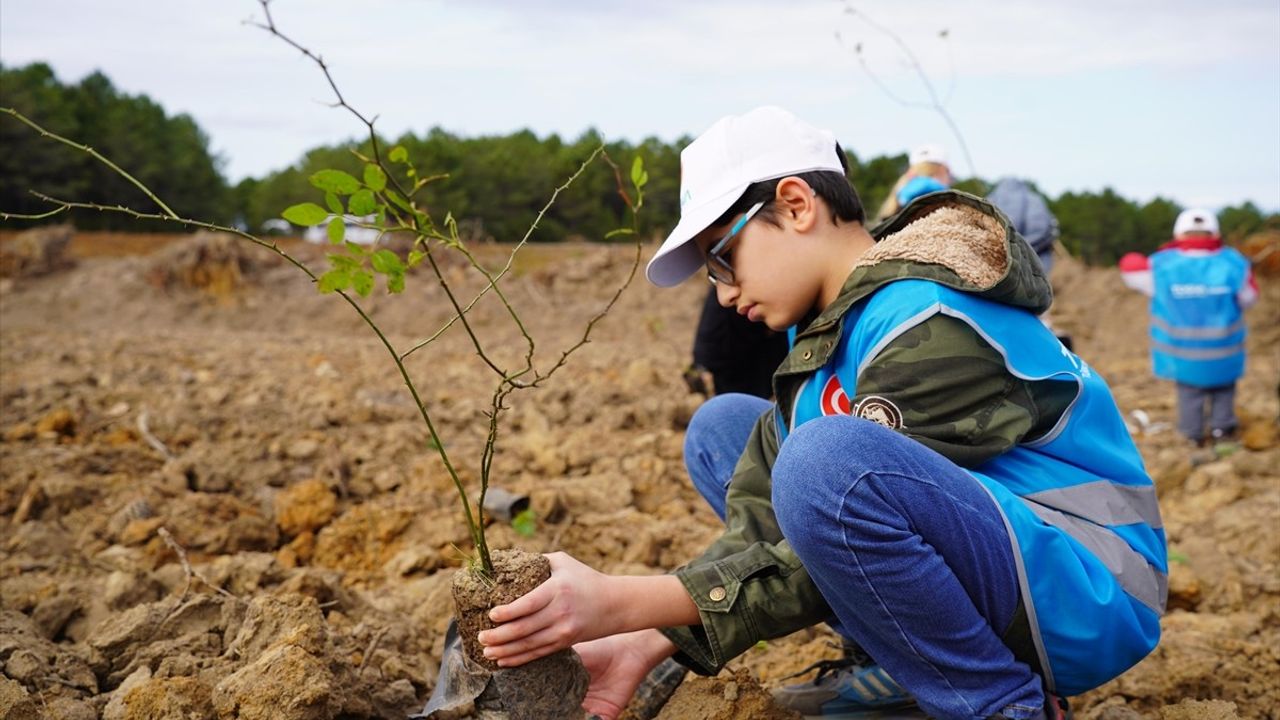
column 1172, row 98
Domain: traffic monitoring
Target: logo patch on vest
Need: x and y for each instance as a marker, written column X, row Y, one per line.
column 835, row 401
column 879, row 410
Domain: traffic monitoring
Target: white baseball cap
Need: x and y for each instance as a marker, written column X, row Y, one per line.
column 1195, row 220
column 928, row 154
column 738, row 150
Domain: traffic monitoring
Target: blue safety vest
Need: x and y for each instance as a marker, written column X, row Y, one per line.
column 1080, row 508
column 1197, row 326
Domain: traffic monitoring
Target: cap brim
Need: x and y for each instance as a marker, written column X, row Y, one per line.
column 679, row 257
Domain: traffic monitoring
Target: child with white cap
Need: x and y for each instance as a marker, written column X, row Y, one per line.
column 938, row 479
column 1199, row 290
column 927, row 171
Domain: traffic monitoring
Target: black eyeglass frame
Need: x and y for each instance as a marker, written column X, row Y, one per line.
column 719, row 271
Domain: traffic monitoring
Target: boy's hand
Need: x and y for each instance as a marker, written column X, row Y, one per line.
column 617, row 665
column 572, row 606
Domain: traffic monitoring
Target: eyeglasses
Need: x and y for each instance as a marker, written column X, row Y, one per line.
column 718, row 268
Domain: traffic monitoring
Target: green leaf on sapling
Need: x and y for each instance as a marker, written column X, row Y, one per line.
column 374, row 178
column 362, row 282
column 343, row 262
column 305, row 214
column 386, row 262
column 395, row 282
column 334, row 280
column 638, row 175
column 362, row 203
column 398, row 201
column 335, row 181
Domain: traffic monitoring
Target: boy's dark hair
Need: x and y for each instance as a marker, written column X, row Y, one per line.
column 832, row 187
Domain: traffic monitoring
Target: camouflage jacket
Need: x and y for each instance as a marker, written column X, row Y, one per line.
column 953, row 391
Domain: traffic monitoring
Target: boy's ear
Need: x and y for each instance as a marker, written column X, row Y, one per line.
column 797, row 203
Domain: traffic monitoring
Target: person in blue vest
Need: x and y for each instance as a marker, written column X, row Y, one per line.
column 1199, row 290
column 938, row 478
column 927, row 171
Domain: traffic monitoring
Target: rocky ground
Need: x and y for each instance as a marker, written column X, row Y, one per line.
column 217, row 498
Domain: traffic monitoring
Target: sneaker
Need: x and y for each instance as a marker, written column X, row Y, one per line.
column 1223, row 442
column 851, row 687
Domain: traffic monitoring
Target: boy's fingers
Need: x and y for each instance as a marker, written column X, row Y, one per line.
column 528, row 656
column 512, row 632
column 526, row 643
column 527, row 604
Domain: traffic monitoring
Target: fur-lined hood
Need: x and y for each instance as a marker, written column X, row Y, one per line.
column 954, row 239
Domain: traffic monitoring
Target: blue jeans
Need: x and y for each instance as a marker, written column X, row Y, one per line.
column 908, row 549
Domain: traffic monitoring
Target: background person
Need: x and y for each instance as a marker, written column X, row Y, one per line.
column 927, row 171
column 1030, row 215
column 1199, row 290
column 731, row 354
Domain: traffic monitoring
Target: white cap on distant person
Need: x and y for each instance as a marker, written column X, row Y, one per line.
column 928, row 154
column 1195, row 220
column 738, row 150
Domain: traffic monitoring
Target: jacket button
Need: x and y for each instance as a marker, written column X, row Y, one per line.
column 717, row 594
column 807, row 354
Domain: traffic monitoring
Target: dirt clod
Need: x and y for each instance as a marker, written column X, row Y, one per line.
column 36, row 252
column 717, row 699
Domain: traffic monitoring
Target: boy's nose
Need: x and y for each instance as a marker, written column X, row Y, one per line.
column 726, row 294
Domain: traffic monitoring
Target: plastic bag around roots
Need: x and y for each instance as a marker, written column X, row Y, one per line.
column 550, row 688
column 465, row 690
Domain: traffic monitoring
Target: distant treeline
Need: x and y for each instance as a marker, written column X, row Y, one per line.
column 495, row 185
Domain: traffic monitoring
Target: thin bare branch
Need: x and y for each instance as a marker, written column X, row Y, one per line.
column 40, row 216
column 270, row 27
column 91, row 152
column 936, row 104
column 511, row 259
column 586, row 335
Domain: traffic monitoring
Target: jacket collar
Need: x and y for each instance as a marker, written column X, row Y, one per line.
column 952, row 238
column 1195, row 242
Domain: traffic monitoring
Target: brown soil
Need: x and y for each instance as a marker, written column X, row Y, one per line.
column 732, row 696
column 267, row 434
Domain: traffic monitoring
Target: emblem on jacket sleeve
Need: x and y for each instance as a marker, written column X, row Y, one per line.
column 835, row 401
column 879, row 410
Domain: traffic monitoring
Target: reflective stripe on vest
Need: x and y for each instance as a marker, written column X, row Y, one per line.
column 1221, row 353
column 1104, row 503
column 1138, row 577
column 1197, row 333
